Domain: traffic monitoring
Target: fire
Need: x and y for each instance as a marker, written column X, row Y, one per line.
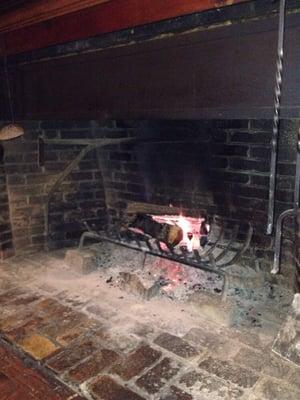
column 191, row 228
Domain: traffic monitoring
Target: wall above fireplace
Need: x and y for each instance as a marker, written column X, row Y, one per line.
column 223, row 68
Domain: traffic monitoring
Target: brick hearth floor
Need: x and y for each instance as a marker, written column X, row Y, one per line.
column 75, row 337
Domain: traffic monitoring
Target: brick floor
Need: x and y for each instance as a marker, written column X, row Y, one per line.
column 104, row 346
column 20, row 382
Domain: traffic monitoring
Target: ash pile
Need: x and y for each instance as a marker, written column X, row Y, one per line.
column 142, row 274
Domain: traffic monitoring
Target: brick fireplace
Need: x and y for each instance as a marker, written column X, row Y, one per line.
column 151, row 126
column 204, row 167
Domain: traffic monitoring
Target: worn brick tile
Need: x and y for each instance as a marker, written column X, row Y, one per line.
column 52, row 307
column 11, row 295
column 270, row 389
column 136, row 362
column 19, row 333
column 13, row 320
column 93, row 366
column 101, row 312
column 59, row 324
column 158, row 376
column 105, row 388
column 219, row 341
column 25, row 300
column 65, row 337
column 175, row 393
column 277, row 367
column 143, row 330
column 176, row 345
column 294, row 378
column 249, row 358
column 200, row 383
column 69, row 335
column 38, row 346
column 202, row 337
column 71, row 355
column 251, row 339
column 229, row 371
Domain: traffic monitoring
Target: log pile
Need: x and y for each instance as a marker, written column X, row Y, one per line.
column 171, row 235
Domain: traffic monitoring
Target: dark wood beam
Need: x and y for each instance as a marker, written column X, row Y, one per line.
column 108, row 17
column 9, row 5
column 29, row 13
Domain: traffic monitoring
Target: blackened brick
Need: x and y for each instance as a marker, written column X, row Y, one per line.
column 286, row 169
column 227, row 176
column 118, row 156
column 230, row 124
column 82, row 176
column 218, row 162
column 248, row 191
column 249, row 165
column 134, row 188
column 230, row 150
column 257, row 138
column 260, row 152
column 285, row 196
column 261, row 124
column 76, row 134
column 260, row 180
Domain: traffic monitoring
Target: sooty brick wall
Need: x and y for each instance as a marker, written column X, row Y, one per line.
column 6, row 243
column 214, row 167
column 80, row 197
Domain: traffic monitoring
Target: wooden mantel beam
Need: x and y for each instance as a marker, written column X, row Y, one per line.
column 42, row 10
column 110, row 16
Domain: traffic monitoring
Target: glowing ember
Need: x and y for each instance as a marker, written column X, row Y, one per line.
column 191, row 227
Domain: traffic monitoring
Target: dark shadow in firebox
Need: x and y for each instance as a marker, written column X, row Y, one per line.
column 179, row 166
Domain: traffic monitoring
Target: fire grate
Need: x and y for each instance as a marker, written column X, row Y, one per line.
column 216, row 256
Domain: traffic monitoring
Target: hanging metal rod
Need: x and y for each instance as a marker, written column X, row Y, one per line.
column 277, row 104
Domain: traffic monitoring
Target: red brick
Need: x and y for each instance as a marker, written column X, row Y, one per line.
column 176, row 345
column 136, row 362
column 7, row 387
column 105, row 388
column 158, row 376
column 71, row 355
column 93, row 366
column 18, row 382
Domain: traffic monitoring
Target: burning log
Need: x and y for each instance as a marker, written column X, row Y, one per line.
column 171, row 235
